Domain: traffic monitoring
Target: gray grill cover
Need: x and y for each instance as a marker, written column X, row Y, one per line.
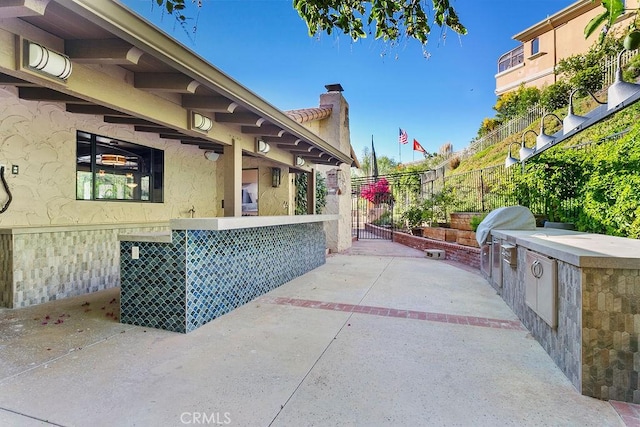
column 506, row 218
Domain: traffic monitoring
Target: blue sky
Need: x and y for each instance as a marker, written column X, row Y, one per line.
column 265, row 46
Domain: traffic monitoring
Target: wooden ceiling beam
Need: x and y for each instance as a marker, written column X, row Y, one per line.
column 204, row 145
column 156, row 129
column 98, row 110
column 8, row 80
column 165, row 82
column 248, row 119
column 106, row 51
column 45, row 94
column 128, row 121
column 289, row 140
column 265, row 130
column 213, row 103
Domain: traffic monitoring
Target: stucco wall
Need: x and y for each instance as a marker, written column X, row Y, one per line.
column 40, row 137
column 556, row 44
column 271, row 200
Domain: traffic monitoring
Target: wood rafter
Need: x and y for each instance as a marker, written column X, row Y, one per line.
column 128, row 121
column 217, row 148
column 165, row 82
column 106, row 51
column 98, row 110
column 265, row 130
column 285, row 140
column 157, row 129
column 249, row 119
column 217, row 104
column 45, row 94
column 6, row 79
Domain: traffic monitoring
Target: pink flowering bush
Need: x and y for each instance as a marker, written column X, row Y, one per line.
column 378, row 192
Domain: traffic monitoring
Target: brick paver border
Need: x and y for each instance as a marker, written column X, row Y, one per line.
column 404, row 314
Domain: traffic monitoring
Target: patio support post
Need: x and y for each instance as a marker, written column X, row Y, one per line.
column 311, row 192
column 232, row 159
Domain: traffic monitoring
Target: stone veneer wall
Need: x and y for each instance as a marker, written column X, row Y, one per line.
column 563, row 342
column 49, row 265
column 611, row 327
column 6, row 270
column 201, row 275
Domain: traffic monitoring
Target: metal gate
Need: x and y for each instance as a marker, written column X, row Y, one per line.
column 371, row 218
column 378, row 204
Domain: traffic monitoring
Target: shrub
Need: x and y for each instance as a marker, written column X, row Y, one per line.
column 454, row 162
column 377, row 192
column 555, row 96
column 475, row 221
column 515, row 103
column 632, row 69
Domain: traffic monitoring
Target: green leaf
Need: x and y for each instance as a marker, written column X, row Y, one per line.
column 595, row 23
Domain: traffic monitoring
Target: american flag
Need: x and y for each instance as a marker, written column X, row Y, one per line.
column 403, row 138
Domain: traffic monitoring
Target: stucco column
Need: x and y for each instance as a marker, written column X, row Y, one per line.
column 232, row 179
column 335, row 130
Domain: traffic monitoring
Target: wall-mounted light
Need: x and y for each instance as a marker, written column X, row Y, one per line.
column 573, row 121
column 262, row 147
column 524, row 150
column 299, row 161
column 113, row 160
column 201, row 122
column 620, row 90
column 275, row 177
column 47, row 61
column 510, row 160
column 211, row 155
column 544, row 139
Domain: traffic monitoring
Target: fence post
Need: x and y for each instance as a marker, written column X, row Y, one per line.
column 482, row 190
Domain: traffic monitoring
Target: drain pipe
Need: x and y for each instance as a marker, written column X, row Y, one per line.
column 6, row 188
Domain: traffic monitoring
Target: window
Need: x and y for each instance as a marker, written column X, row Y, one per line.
column 535, row 46
column 511, row 59
column 110, row 169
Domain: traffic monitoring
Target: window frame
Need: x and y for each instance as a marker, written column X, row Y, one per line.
column 114, row 170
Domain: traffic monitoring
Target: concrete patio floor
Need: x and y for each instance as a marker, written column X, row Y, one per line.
column 379, row 335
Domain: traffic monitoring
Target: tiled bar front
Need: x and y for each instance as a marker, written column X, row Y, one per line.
column 595, row 342
column 197, row 275
column 46, row 263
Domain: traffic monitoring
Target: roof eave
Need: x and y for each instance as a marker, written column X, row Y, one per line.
column 129, row 26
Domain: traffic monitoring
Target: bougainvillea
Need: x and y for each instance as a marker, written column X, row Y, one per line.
column 377, row 192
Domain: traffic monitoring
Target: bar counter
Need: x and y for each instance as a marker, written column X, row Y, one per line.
column 205, row 267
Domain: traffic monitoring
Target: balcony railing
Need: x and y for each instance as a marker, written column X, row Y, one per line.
column 511, row 59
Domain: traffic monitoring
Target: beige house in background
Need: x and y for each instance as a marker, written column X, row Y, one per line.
column 109, row 126
column 545, row 44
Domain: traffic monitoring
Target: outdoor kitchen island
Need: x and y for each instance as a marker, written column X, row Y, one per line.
column 205, row 267
column 579, row 296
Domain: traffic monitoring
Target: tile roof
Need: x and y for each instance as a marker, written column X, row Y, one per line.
column 310, row 114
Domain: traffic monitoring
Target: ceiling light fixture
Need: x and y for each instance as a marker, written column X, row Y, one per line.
column 211, row 155
column 113, row 160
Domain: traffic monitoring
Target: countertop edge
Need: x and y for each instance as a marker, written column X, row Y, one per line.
column 574, row 255
column 233, row 223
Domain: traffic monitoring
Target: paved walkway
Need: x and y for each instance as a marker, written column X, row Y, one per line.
column 379, row 335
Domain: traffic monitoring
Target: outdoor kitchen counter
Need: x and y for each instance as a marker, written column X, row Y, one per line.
column 579, row 296
column 205, row 267
column 576, row 248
